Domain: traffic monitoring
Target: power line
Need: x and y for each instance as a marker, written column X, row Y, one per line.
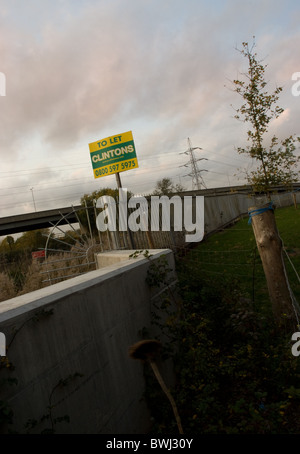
column 195, row 173
column 221, row 162
column 43, row 169
column 32, row 172
column 91, row 183
column 71, row 197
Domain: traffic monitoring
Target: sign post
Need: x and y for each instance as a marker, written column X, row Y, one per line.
column 113, row 155
column 118, row 178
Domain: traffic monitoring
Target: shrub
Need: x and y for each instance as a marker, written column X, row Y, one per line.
column 234, row 372
column 7, row 289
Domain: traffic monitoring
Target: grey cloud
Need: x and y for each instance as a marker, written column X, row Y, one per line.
column 159, row 68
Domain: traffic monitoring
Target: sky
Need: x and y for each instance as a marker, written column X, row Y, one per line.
column 79, row 71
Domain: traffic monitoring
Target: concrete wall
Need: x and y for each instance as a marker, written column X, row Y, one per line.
column 222, row 209
column 77, row 333
column 219, row 211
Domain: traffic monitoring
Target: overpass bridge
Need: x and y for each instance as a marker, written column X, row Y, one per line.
column 38, row 220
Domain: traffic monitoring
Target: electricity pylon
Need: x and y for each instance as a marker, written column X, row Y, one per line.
column 197, row 179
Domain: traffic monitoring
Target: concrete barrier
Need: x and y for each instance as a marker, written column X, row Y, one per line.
column 223, row 209
column 67, row 346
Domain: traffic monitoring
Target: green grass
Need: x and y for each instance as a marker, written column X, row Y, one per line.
column 232, row 254
column 235, row 372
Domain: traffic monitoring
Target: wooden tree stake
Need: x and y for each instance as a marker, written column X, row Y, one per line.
column 270, row 248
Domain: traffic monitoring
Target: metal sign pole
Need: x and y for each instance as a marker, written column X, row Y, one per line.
column 119, row 185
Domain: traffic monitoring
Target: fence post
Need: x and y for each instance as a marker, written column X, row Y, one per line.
column 294, row 199
column 2, row 344
column 270, row 248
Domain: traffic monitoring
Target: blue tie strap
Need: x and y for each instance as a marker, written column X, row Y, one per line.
column 259, row 211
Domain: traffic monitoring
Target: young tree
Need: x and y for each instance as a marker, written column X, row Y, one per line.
column 277, row 163
column 87, row 215
column 165, row 186
column 32, row 240
column 7, row 244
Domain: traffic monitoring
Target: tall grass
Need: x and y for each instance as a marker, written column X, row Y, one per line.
column 232, row 253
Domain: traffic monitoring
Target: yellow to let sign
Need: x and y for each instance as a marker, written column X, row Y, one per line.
column 113, row 154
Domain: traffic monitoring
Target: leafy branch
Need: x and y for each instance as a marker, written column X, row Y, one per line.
column 277, row 161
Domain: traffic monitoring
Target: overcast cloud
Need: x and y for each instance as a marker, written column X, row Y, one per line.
column 78, row 71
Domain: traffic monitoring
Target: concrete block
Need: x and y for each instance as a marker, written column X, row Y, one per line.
column 69, row 344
